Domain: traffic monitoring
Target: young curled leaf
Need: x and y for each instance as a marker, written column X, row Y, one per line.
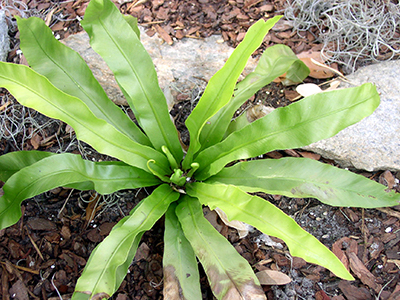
column 302, row 178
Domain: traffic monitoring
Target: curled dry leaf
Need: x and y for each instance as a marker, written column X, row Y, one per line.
column 271, row 277
column 242, row 228
column 258, row 111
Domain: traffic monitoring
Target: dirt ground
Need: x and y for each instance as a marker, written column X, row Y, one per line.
column 43, row 254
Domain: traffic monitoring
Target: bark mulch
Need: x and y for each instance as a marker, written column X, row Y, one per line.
column 42, row 255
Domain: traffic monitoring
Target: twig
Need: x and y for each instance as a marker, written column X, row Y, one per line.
column 36, row 247
column 389, row 211
column 36, row 272
column 134, row 4
column 65, row 203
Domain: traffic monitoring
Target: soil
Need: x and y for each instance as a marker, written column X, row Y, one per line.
column 45, row 252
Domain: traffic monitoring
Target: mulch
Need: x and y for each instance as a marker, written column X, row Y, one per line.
column 43, row 254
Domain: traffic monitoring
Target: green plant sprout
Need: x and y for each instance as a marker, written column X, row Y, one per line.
column 60, row 85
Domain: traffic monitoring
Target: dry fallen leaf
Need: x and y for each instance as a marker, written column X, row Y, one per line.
column 310, row 155
column 242, row 228
column 69, row 129
column 387, row 178
column 316, row 71
column 271, row 277
column 35, row 141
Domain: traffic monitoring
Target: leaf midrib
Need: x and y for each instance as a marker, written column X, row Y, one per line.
column 135, row 232
column 222, row 90
column 296, row 125
column 77, row 120
column 99, row 107
column 294, row 242
column 212, row 250
column 144, row 91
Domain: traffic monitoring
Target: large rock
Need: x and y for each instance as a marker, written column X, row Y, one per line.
column 185, row 65
column 374, row 143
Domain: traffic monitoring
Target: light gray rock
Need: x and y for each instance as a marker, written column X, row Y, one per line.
column 374, row 143
column 185, row 65
column 4, row 38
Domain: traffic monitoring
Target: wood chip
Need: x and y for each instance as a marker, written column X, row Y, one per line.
column 41, row 224
column 163, row 34
column 362, row 272
column 353, row 293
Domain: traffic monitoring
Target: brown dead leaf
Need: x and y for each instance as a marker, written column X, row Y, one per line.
column 316, row 71
column 310, row 155
column 387, row 178
column 91, row 209
column 36, row 141
column 271, row 277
